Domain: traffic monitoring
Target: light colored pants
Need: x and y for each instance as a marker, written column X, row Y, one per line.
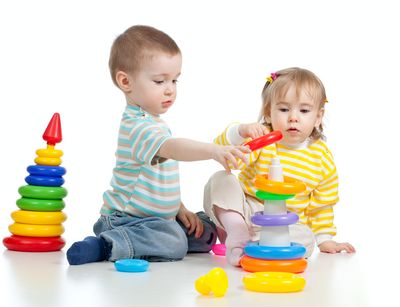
column 225, row 191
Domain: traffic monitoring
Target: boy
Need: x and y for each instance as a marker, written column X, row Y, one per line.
column 143, row 216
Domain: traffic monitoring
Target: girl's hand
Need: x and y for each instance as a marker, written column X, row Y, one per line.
column 229, row 154
column 333, row 247
column 253, row 130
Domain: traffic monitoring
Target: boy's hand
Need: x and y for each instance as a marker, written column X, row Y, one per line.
column 333, row 247
column 229, row 154
column 191, row 221
column 253, row 130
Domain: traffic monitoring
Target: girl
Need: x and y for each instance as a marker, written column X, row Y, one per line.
column 293, row 102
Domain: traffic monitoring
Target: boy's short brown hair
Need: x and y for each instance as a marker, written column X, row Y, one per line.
column 131, row 48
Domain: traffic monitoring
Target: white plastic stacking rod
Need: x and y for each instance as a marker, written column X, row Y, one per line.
column 275, row 235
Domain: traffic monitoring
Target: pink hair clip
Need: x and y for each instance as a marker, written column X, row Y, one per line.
column 272, row 77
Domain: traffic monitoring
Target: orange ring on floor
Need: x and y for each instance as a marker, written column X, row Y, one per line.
column 250, row 264
column 289, row 186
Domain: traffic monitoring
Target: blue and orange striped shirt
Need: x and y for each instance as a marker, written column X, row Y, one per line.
column 142, row 183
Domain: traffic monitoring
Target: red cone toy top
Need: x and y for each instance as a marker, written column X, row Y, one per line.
column 53, row 133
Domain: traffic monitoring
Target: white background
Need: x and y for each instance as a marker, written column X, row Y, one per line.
column 54, row 55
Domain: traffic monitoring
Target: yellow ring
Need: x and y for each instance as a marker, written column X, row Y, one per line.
column 48, row 161
column 38, row 217
column 289, row 186
column 277, row 282
column 31, row 230
column 49, row 152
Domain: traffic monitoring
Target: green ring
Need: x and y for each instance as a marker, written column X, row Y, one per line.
column 40, row 192
column 272, row 196
column 33, row 204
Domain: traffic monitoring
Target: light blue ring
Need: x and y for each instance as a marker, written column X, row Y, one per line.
column 131, row 265
column 294, row 251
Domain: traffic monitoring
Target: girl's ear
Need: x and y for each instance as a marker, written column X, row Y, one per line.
column 123, row 81
column 320, row 115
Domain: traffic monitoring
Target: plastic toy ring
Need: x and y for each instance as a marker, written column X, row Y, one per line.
column 38, row 217
column 271, row 196
column 261, row 265
column 293, row 251
column 289, row 186
column 46, row 170
column 31, row 230
column 33, row 244
column 261, row 219
column 219, row 249
column 46, row 181
column 264, row 140
column 34, row 204
column 49, row 152
column 48, row 161
column 40, row 192
column 276, row 282
column 131, row 265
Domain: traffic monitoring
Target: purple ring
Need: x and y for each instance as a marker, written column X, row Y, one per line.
column 274, row 220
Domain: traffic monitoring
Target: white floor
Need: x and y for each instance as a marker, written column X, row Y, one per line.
column 46, row 279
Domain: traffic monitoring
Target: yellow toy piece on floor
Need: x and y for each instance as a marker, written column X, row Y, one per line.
column 215, row 281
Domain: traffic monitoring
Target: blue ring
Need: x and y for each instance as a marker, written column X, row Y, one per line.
column 131, row 265
column 46, row 181
column 274, row 220
column 46, row 170
column 293, row 251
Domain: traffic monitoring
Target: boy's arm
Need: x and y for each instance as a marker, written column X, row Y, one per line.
column 189, row 150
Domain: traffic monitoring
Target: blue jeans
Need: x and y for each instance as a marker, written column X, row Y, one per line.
column 151, row 238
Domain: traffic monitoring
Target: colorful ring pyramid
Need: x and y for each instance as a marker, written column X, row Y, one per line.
column 274, row 252
column 38, row 225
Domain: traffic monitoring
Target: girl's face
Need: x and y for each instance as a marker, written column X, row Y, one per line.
column 295, row 115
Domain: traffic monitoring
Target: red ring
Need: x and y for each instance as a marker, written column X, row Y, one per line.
column 265, row 140
column 33, row 244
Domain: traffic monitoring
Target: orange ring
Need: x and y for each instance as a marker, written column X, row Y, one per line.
column 250, row 264
column 289, row 186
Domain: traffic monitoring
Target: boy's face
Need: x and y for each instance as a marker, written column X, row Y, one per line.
column 295, row 116
column 153, row 88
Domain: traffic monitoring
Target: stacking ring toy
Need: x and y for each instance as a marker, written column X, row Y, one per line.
column 261, row 265
column 46, row 170
column 261, row 219
column 264, row 140
column 271, row 196
column 131, row 265
column 293, row 251
column 34, row 204
column 40, row 192
column 219, row 249
column 45, row 181
column 276, row 282
column 38, row 217
column 31, row 230
column 289, row 186
column 34, row 244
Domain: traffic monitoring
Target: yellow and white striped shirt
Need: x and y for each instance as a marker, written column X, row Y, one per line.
column 313, row 164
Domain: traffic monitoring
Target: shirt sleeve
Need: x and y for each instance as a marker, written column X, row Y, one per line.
column 323, row 198
column 146, row 139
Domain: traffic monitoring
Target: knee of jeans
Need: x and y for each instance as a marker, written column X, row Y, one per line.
column 180, row 246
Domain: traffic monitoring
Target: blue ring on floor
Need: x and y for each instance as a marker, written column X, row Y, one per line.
column 131, row 265
column 293, row 251
column 262, row 219
column 46, row 181
column 46, row 170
